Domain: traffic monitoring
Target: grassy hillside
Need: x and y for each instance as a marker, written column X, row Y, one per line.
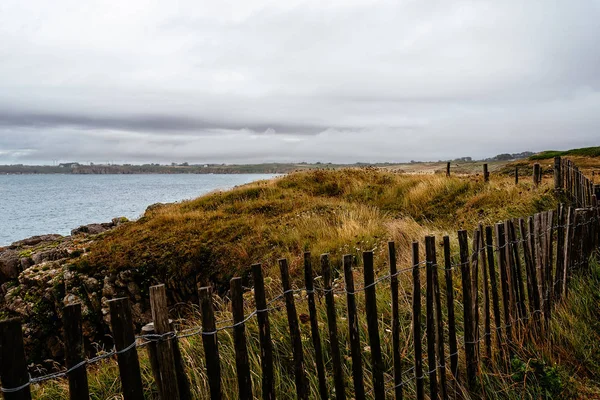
column 219, row 235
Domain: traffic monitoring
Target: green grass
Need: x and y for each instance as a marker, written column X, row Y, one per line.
column 585, row 152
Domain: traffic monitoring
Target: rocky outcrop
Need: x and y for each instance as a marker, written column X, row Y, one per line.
column 94, row 229
column 39, row 276
column 10, row 265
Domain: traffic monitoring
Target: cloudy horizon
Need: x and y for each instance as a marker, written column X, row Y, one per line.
column 265, row 81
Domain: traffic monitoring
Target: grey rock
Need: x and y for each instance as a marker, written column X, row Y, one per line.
column 10, row 265
column 35, row 240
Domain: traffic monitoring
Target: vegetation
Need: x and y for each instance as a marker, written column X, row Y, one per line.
column 221, row 234
column 565, row 365
column 346, row 211
column 584, row 152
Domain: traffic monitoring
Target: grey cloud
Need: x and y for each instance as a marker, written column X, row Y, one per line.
column 237, row 81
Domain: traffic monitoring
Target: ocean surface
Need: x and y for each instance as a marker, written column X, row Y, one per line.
column 40, row 204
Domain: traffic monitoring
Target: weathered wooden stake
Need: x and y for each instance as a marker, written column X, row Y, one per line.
column 314, row 325
column 486, row 173
column 416, row 303
column 211, row 345
column 486, row 296
column 536, row 174
column 373, row 326
column 338, row 373
column 560, row 253
column 441, row 357
column 558, row 181
column 357, row 371
column 148, row 329
column 264, row 331
column 13, row 364
column 127, row 357
column 295, row 337
column 452, row 345
column 398, row 390
column 239, row 338
column 430, row 319
column 493, row 276
column 166, row 359
column 471, row 358
column 75, row 352
column 504, row 283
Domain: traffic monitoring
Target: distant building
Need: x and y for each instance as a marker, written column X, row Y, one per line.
column 68, row 165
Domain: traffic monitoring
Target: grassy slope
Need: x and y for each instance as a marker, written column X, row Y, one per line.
column 221, row 234
column 339, row 212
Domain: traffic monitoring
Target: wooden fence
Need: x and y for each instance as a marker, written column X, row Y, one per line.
column 512, row 274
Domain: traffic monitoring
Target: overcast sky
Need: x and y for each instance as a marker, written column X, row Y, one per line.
column 259, row 80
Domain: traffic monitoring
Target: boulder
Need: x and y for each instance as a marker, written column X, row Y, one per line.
column 49, row 255
column 10, row 265
column 35, row 240
column 91, row 229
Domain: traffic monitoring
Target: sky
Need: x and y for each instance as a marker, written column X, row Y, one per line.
column 288, row 81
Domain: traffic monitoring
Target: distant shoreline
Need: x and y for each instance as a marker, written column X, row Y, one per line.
column 461, row 165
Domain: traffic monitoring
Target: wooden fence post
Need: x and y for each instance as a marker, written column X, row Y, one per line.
column 357, row 372
column 416, row 304
column 536, row 174
column 452, row 345
column 558, row 182
column 549, row 263
column 532, row 293
column 13, row 364
column 239, row 338
column 338, row 373
column 471, row 359
column 513, row 295
column 210, row 342
column 448, row 169
column 568, row 251
column 295, row 339
column 475, row 288
column 398, row 390
column 152, row 351
column 518, row 270
column 127, row 357
column 486, row 173
column 373, row 326
column 501, row 246
column 75, row 352
column 314, row 325
column 486, row 296
column 430, row 319
column 264, row 331
column 560, row 253
column 439, row 318
column 493, row 276
column 166, row 359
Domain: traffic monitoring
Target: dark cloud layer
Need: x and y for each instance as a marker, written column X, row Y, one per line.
column 355, row 80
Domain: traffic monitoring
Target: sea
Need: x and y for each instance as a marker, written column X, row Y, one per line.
column 42, row 204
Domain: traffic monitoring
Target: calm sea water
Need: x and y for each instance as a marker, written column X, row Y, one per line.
column 39, row 204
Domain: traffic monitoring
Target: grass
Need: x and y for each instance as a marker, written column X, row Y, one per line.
column 584, row 152
column 566, row 365
column 219, row 235
column 340, row 212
